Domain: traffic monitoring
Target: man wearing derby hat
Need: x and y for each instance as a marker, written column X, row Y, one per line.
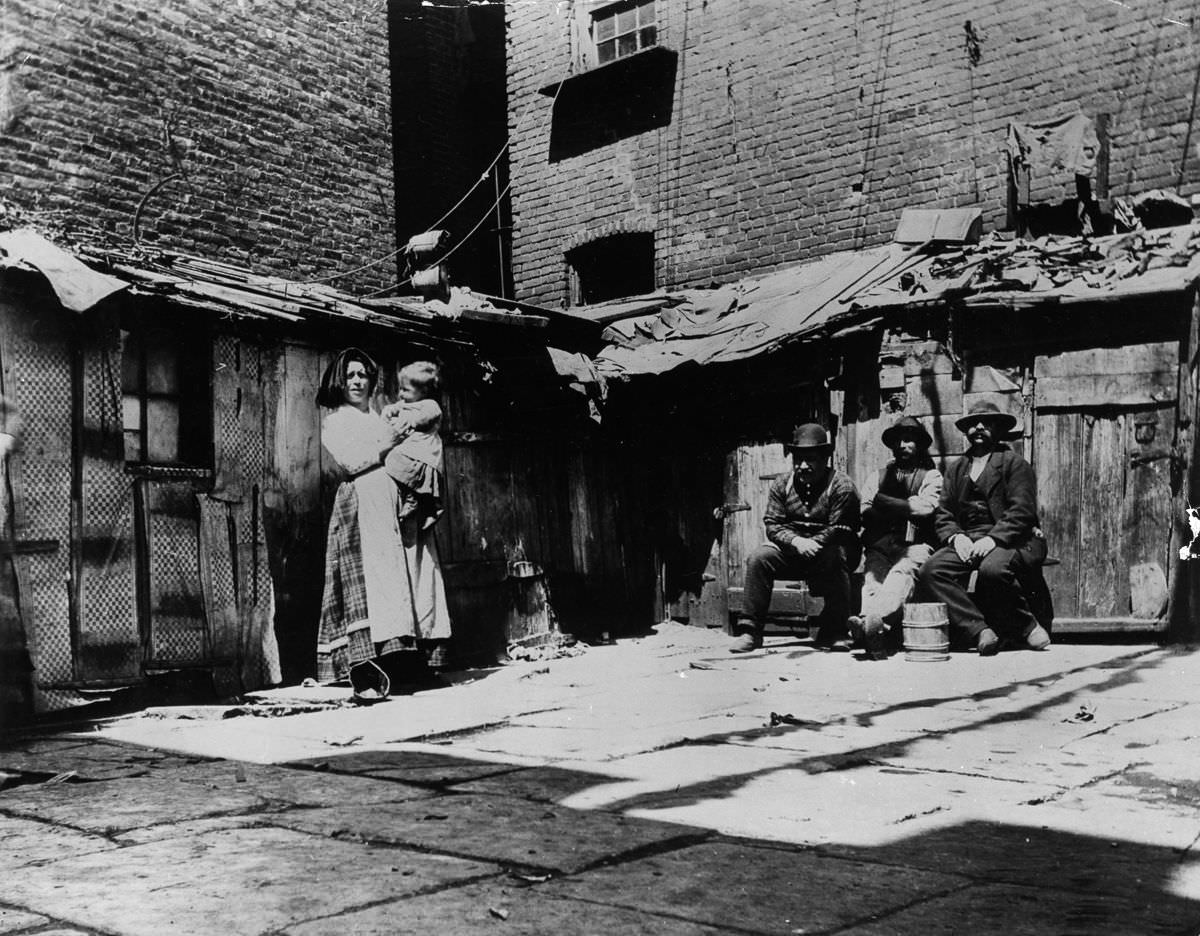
column 987, row 522
column 812, row 534
column 898, row 506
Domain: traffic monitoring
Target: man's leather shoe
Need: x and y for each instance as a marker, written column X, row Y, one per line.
column 830, row 640
column 873, row 637
column 1037, row 638
column 745, row 643
column 987, row 642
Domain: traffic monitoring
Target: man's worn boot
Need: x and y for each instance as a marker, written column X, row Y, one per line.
column 749, row 637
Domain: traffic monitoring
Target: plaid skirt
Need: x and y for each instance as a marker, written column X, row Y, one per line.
column 344, row 636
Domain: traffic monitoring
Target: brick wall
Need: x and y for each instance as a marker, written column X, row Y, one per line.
column 797, row 129
column 275, row 113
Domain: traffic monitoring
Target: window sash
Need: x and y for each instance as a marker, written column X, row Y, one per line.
column 624, row 32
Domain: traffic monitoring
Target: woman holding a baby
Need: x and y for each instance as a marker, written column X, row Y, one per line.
column 383, row 583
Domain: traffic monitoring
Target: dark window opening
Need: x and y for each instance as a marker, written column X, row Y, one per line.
column 165, row 393
column 612, row 268
column 624, row 29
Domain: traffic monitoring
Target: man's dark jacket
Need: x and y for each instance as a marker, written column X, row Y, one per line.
column 1008, row 483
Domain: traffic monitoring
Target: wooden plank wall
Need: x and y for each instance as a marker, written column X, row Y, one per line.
column 292, row 507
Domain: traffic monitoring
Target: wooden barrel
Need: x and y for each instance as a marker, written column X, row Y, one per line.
column 926, row 632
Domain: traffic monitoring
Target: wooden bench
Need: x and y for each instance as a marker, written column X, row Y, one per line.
column 791, row 604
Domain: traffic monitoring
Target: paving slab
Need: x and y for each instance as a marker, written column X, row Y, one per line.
column 12, row 920
column 756, row 889
column 90, row 761
column 295, row 785
column 113, row 806
column 859, row 805
column 1002, row 910
column 239, row 882
column 1099, row 848
column 502, row 829
column 706, row 770
column 436, row 768
column 492, row 909
column 27, row 841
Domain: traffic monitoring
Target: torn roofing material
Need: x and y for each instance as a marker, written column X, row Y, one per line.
column 84, row 277
column 739, row 320
column 657, row 333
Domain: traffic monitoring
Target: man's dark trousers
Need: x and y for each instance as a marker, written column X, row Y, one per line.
column 1000, row 603
column 827, row 574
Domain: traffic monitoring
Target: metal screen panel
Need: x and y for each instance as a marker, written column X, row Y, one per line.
column 109, row 644
column 41, row 392
column 178, row 628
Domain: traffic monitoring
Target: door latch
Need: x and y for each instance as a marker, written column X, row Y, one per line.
column 720, row 513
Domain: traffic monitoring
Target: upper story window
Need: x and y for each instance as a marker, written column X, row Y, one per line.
column 623, row 29
column 611, row 267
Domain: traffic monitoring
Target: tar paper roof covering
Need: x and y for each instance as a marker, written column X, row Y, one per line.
column 657, row 333
column 740, row 320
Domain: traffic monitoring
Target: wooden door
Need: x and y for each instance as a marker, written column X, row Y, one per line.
column 1104, row 492
column 750, row 469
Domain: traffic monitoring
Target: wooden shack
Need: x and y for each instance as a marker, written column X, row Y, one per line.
column 1091, row 344
column 168, row 502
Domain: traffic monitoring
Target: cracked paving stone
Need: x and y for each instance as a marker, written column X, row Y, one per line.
column 493, row 908
column 410, row 766
column 27, row 842
column 763, row 889
column 1103, row 862
column 296, row 786
column 492, row 828
column 1003, row 910
column 12, row 920
column 120, row 805
column 89, row 761
column 238, row 882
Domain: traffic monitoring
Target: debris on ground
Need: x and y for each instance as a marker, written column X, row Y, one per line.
column 699, row 664
column 778, row 719
column 498, row 912
column 1085, row 714
column 553, row 646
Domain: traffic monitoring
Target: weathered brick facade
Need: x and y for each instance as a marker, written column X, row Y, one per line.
column 274, row 114
column 802, row 128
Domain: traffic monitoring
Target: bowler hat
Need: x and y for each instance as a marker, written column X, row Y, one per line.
column 906, row 424
column 986, row 409
column 809, row 436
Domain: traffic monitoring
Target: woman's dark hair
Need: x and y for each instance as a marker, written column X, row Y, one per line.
column 333, row 383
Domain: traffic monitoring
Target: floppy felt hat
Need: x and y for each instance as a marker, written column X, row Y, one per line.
column 906, row 424
column 809, row 436
column 986, row 409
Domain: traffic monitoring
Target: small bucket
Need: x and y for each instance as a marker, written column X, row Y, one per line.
column 926, row 633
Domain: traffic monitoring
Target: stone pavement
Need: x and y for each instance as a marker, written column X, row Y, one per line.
column 656, row 786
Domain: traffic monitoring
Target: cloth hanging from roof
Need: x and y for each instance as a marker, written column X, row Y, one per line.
column 77, row 285
column 1068, row 143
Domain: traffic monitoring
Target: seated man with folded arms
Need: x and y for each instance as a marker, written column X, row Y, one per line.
column 987, row 522
column 898, row 506
column 812, row 523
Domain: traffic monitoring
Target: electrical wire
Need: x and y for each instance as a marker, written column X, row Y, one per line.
column 449, row 253
column 478, row 224
column 436, row 224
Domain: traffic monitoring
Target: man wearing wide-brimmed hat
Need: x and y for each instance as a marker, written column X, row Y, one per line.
column 898, row 506
column 812, row 534
column 987, row 522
